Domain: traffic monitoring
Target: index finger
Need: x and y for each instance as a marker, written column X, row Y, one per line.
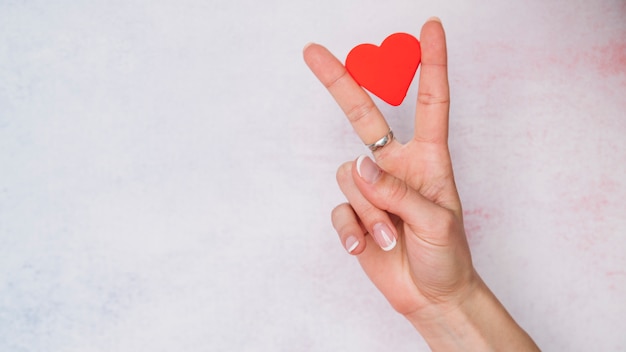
column 366, row 119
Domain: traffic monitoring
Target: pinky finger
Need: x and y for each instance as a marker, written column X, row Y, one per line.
column 349, row 228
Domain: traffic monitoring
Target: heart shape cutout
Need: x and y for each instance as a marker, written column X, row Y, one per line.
column 386, row 70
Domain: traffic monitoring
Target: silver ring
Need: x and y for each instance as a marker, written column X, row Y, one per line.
column 381, row 142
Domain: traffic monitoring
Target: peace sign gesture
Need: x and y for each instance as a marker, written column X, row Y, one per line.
column 403, row 218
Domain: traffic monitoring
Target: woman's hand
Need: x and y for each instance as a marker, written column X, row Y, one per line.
column 403, row 218
column 410, row 197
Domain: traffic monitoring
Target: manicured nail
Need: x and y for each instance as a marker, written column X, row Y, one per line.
column 367, row 169
column 434, row 18
column 351, row 243
column 384, row 237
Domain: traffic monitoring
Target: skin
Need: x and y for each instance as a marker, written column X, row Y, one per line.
column 428, row 276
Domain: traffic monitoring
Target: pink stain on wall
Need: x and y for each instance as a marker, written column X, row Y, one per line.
column 597, row 49
column 607, row 59
column 610, row 59
column 474, row 220
column 582, row 213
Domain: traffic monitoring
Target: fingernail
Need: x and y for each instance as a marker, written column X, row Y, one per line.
column 367, row 169
column 351, row 243
column 307, row 45
column 434, row 18
column 384, row 237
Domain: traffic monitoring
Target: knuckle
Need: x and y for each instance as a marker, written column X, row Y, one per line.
column 337, row 216
column 344, row 220
column 370, row 215
column 446, row 222
column 344, row 173
column 431, row 99
column 360, row 110
column 334, row 214
column 396, row 191
column 334, row 81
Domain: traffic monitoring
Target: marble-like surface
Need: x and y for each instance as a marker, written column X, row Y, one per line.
column 167, row 172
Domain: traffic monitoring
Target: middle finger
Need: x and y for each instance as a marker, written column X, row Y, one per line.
column 376, row 221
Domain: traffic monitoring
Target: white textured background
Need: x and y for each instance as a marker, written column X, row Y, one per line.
column 167, row 172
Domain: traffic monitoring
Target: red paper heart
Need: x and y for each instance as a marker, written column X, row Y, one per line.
column 386, row 71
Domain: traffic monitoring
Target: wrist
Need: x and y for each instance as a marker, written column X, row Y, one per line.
column 449, row 324
column 476, row 318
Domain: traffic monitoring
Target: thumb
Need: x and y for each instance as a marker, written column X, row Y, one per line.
column 426, row 219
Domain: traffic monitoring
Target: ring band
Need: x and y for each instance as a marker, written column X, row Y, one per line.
column 381, row 142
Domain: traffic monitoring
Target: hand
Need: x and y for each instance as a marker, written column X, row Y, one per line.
column 414, row 199
column 403, row 218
